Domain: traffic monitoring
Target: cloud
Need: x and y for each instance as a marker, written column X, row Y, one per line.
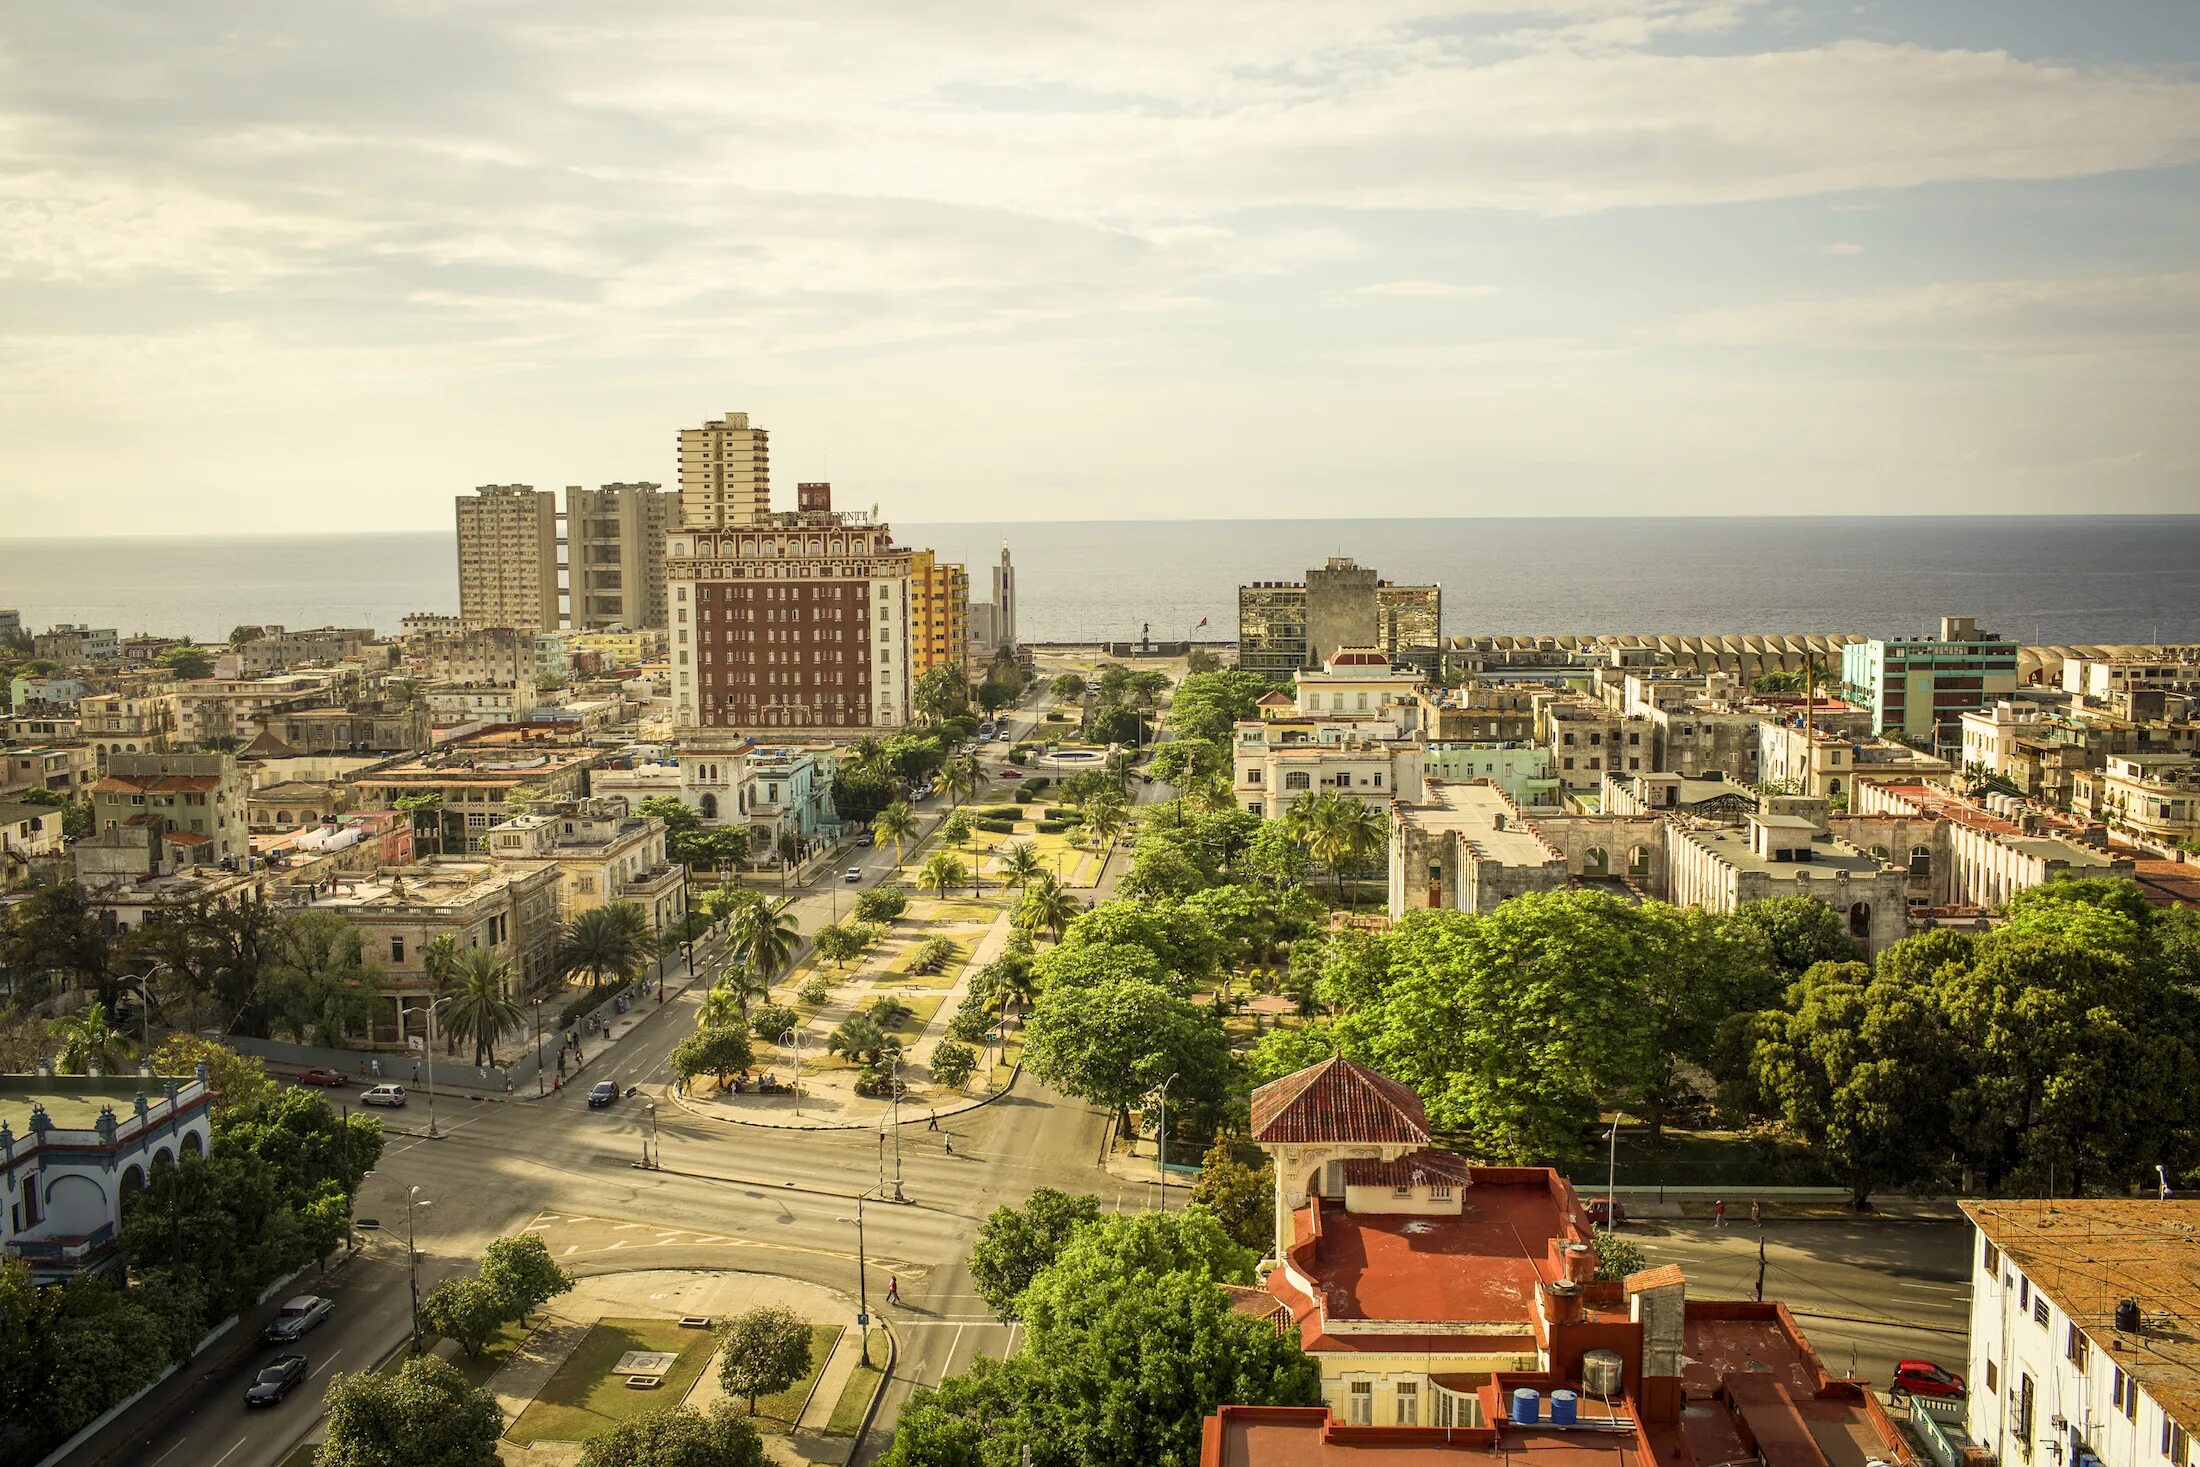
column 1843, row 247
column 1423, row 289
column 2151, row 313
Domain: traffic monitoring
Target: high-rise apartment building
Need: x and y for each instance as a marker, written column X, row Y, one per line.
column 790, row 622
column 725, row 474
column 508, row 558
column 939, row 613
column 615, row 555
column 1285, row 627
column 1920, row 687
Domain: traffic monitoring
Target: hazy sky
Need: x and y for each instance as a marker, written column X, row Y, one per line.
column 274, row 265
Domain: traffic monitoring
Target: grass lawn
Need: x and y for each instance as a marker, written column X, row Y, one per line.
column 921, row 1009
column 585, row 1399
column 780, row 1411
column 898, row 970
column 509, row 1337
column 952, row 912
column 855, row 1396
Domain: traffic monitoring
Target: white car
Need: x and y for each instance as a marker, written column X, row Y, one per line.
column 852, row 874
column 384, row 1095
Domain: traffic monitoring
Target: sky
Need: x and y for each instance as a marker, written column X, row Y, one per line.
column 271, row 266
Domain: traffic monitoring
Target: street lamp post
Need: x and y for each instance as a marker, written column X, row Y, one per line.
column 539, row 1091
column 863, row 1281
column 893, row 1095
column 144, row 983
column 433, row 1133
column 1611, row 1172
column 792, row 1039
column 1161, row 1143
column 412, row 1260
column 652, row 1157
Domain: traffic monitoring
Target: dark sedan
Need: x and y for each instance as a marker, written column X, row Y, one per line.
column 602, row 1094
column 278, row 1380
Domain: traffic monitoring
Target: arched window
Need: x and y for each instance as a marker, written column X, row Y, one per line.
column 1638, row 861
column 192, row 1144
column 1921, row 861
column 1596, row 862
column 709, row 806
column 1298, row 779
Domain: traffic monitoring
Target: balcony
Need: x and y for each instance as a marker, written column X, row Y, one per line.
column 65, row 1252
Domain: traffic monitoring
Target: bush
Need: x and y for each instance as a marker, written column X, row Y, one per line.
column 1064, row 814
column 1030, row 788
column 971, row 1022
column 997, row 827
column 1001, row 812
column 1053, row 827
column 933, row 955
column 813, row 992
column 953, row 1064
column 771, row 1020
column 882, row 903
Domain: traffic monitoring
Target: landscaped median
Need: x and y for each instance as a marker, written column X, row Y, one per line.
column 587, row 1396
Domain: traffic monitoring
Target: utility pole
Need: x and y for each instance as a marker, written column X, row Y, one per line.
column 893, row 1081
column 1161, row 1144
column 1760, row 1265
column 539, row 1091
column 1611, row 1175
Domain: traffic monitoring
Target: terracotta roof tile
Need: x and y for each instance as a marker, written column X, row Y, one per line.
column 1662, row 1277
column 1338, row 1100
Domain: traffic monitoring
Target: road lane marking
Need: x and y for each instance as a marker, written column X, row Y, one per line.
column 164, row 1456
column 325, row 1364
column 230, row 1453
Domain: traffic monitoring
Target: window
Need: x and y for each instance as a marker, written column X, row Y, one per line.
column 1991, row 1261
column 2039, row 1310
column 2023, row 1423
column 1439, row 1193
column 1403, row 1189
column 2024, row 1293
column 2176, row 1445
column 2076, row 1349
column 1993, row 1378
column 1298, row 779
column 397, row 949
column 1409, row 1403
column 1361, row 1410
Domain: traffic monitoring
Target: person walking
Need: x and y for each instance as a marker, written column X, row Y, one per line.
column 950, row 1143
column 1756, row 1214
column 1718, row 1213
column 893, row 1289
column 932, row 1123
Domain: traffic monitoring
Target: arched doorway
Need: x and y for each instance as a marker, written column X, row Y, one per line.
column 1860, row 920
column 708, row 804
column 1596, row 862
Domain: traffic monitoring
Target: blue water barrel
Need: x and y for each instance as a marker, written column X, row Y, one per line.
column 1527, row 1407
column 1562, row 1408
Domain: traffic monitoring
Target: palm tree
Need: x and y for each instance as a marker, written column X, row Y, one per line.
column 1106, row 819
column 736, row 985
column 764, row 938
column 88, row 1039
column 1018, row 865
column 961, row 777
column 866, row 755
column 438, row 962
column 482, row 1009
column 1340, row 832
column 897, row 823
column 1047, row 906
column 601, row 944
column 942, row 871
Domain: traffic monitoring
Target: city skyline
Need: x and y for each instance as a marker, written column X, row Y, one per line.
column 1585, row 256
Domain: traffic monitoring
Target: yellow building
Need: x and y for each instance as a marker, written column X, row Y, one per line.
column 939, row 613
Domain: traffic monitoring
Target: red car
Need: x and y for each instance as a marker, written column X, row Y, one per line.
column 322, row 1075
column 1923, row 1378
column 1607, row 1214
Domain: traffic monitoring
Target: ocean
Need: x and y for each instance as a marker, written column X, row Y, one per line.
column 2061, row 580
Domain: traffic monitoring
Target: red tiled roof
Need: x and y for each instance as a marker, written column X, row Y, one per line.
column 1273, row 699
column 154, row 784
column 188, row 838
column 1338, row 1100
column 1661, row 1277
column 1415, row 1168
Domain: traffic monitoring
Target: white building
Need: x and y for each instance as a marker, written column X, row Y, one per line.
column 73, row 1146
column 1361, row 683
column 1276, row 760
column 2085, row 1332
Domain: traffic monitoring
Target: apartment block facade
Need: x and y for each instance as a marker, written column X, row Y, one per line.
column 725, row 474
column 508, row 558
column 615, row 552
column 1284, row 626
column 1920, row 687
column 796, row 622
column 939, row 615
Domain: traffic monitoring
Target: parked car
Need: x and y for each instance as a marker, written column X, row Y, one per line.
column 384, row 1095
column 297, row 1316
column 1004, row 737
column 1607, row 1214
column 322, row 1075
column 1923, row 1378
column 601, row 1094
column 867, row 839
column 278, row 1380
column 852, row 874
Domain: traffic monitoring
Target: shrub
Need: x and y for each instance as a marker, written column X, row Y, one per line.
column 971, row 1022
column 580, row 1008
column 997, row 827
column 882, row 903
column 953, row 1064
column 771, row 1020
column 813, row 992
column 1064, row 814
column 1029, row 789
column 1002, row 812
column 1053, row 827
column 932, row 956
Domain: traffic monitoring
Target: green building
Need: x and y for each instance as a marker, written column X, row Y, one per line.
column 1920, row 688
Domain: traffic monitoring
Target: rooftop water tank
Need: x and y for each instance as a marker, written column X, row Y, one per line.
column 1603, row 1374
column 1527, row 1407
column 1562, row 1408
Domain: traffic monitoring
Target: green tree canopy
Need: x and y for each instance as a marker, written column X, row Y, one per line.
column 1114, row 1041
column 425, row 1415
column 762, row 1351
column 1014, row 1243
column 676, row 1436
column 521, row 1272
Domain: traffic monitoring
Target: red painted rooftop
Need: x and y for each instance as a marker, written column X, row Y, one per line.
column 1483, row 1267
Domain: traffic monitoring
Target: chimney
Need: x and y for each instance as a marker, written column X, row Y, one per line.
column 1657, row 1301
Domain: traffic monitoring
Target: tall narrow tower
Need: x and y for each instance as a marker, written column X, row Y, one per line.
column 1004, row 602
column 725, row 474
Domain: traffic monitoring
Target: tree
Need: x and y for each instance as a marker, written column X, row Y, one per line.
column 425, row 1415
column 1282, row 1052
column 940, row 693
column 1014, row 1243
column 953, row 1064
column 961, row 777
column 943, row 871
column 839, row 942
column 186, row 662
column 467, row 1310
column 956, row 828
column 676, row 1436
column 87, row 1039
column 482, row 1009
column 1115, row 1041
column 688, row 840
column 55, row 932
column 521, row 1273
column 599, row 943
column 1240, row 1198
column 1798, row 932
column 763, row 1351
column 1046, row 907
column 238, row 1081
column 772, row 1020
column 882, row 903
column 718, row 1051
column 1018, row 864
column 1067, row 686
column 897, row 823
column 763, row 940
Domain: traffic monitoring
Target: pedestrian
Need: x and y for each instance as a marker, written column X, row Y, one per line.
column 1718, row 1213
column 1756, row 1214
column 951, row 1144
column 933, row 1124
column 893, row 1289
column 375, row 1067
column 416, row 1072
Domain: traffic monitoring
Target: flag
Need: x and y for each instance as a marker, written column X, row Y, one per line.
column 1202, row 622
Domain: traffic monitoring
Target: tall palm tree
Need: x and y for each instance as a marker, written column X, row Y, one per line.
column 728, row 999
column 1047, row 906
column 601, row 944
column 764, row 938
column 1018, row 865
column 1106, row 819
column 482, row 1008
column 88, row 1039
column 866, row 755
column 897, row 823
column 961, row 777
